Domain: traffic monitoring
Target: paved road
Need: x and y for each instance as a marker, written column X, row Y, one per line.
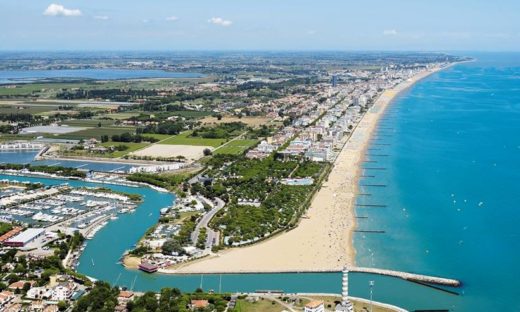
column 212, row 236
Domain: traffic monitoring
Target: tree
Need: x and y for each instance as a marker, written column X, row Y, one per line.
column 207, row 152
column 104, row 138
column 62, row 305
column 26, row 287
column 99, row 124
column 101, row 298
column 171, row 246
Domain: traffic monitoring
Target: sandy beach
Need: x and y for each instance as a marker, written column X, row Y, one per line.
column 323, row 241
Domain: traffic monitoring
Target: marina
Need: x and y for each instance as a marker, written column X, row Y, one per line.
column 121, row 234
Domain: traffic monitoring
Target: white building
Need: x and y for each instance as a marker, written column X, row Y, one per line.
column 314, row 306
column 25, row 237
column 39, row 293
column 61, row 293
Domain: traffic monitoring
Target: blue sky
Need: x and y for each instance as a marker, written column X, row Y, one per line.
column 260, row 25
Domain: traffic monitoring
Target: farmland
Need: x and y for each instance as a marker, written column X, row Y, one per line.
column 94, row 133
column 185, row 139
column 235, row 147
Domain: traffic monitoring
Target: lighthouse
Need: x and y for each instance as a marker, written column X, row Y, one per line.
column 345, row 305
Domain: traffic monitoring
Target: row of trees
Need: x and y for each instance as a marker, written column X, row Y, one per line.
column 103, row 298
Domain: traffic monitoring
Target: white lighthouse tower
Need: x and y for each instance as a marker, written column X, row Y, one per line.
column 345, row 305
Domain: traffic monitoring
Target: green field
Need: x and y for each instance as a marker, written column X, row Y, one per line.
column 116, row 154
column 262, row 305
column 88, row 123
column 157, row 136
column 26, row 109
column 184, row 139
column 189, row 113
column 131, row 148
column 121, row 116
column 49, row 89
column 235, row 147
column 93, row 133
column 39, row 88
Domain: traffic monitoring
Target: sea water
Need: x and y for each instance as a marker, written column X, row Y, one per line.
column 446, row 162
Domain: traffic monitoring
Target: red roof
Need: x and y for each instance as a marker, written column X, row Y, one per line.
column 199, row 303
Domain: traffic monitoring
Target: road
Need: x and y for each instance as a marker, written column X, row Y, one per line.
column 212, row 236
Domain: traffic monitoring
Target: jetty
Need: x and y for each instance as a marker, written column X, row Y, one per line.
column 412, row 277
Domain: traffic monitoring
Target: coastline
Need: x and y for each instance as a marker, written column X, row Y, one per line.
column 324, row 240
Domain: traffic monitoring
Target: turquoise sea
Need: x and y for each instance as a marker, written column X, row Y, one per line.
column 446, row 157
column 447, row 165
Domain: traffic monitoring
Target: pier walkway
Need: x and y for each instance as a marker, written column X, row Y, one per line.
column 413, row 277
column 408, row 276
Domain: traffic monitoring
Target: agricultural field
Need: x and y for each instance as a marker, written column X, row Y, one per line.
column 185, row 139
column 26, row 109
column 158, row 136
column 131, row 147
column 88, row 123
column 41, row 88
column 235, row 147
column 250, row 121
column 191, row 152
column 189, row 113
column 120, row 116
column 95, row 133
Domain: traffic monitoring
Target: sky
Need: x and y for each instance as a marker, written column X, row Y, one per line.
column 419, row 25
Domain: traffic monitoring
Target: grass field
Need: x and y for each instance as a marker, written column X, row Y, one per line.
column 190, row 113
column 258, row 306
column 131, row 148
column 159, row 137
column 26, row 109
column 51, row 88
column 184, row 139
column 94, row 133
column 16, row 137
column 30, row 88
column 120, row 116
column 235, row 147
column 250, row 121
column 88, row 123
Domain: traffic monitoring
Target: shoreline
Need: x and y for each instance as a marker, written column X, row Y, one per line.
column 324, row 240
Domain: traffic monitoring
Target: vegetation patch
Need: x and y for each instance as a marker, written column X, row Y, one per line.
column 185, row 138
column 236, row 147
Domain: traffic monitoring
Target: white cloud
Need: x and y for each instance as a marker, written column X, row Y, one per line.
column 102, row 17
column 59, row 10
column 172, row 18
column 220, row 21
column 389, row 32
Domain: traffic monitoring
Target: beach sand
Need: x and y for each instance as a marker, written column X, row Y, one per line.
column 323, row 241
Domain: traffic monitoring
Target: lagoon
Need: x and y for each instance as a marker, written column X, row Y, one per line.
column 30, row 76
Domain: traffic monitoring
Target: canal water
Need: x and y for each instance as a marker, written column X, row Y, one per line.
column 100, row 260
